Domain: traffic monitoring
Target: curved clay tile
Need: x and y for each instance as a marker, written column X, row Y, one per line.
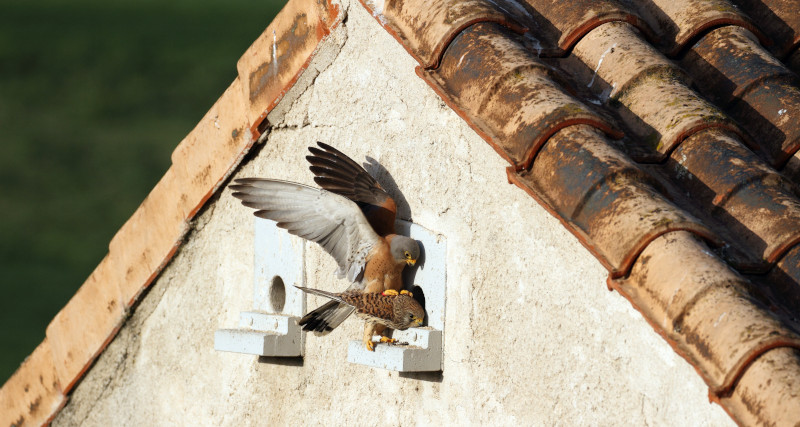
column 426, row 27
column 562, row 24
column 276, row 58
column 678, row 23
column 705, row 311
column 752, row 200
column 506, row 93
column 778, row 19
column 734, row 71
column 628, row 75
column 612, row 206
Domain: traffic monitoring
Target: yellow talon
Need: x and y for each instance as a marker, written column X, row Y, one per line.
column 388, row 340
column 370, row 345
column 389, row 292
column 405, row 292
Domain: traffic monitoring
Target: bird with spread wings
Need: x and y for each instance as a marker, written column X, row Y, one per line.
column 351, row 217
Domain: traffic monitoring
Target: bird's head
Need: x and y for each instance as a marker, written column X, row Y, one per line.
column 412, row 314
column 405, row 249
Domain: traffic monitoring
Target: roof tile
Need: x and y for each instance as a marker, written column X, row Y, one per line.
column 734, row 56
column 613, row 56
column 767, row 393
column 560, row 24
column 79, row 332
column 205, row 156
column 779, row 19
column 661, row 126
column 680, row 22
column 754, row 87
column 782, row 284
column 280, row 54
column 154, row 233
column 426, row 27
column 705, row 312
column 507, row 93
column 32, row 395
column 610, row 204
column 725, row 329
column 729, row 182
column 629, row 74
column 793, row 61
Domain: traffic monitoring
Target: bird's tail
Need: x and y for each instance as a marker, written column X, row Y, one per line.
column 326, row 317
column 321, row 293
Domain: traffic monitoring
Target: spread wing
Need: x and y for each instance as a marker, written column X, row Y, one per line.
column 330, row 220
column 337, row 173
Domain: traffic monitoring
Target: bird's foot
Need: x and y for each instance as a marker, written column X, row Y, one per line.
column 388, row 340
column 370, row 345
column 392, row 292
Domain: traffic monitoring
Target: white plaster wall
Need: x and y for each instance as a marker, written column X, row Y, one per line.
column 532, row 335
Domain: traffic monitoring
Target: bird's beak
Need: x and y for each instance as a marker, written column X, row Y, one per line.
column 418, row 320
column 411, row 261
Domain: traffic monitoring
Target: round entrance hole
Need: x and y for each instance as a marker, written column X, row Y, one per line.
column 277, row 294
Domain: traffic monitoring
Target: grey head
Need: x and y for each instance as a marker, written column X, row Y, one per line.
column 404, row 249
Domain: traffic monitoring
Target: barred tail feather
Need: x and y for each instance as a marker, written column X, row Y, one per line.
column 326, row 317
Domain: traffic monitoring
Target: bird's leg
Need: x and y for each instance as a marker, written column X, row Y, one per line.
column 369, row 330
column 382, row 331
column 405, row 292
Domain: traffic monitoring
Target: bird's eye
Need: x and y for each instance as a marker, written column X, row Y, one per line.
column 408, row 255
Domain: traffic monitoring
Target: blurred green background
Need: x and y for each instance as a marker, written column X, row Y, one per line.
column 94, row 96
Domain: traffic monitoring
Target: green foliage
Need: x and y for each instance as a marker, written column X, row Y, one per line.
column 94, row 96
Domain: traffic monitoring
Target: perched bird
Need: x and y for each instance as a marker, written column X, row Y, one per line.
column 396, row 311
column 344, row 225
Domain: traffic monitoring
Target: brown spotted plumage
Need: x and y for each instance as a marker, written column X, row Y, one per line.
column 396, row 311
column 343, row 220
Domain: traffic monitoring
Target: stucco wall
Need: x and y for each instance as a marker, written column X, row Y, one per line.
column 532, row 334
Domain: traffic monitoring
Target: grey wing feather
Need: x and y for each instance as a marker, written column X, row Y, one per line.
column 334, row 222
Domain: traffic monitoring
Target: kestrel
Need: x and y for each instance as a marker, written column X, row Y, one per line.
column 393, row 310
column 342, row 226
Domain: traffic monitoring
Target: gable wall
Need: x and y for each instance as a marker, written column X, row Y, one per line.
column 532, row 334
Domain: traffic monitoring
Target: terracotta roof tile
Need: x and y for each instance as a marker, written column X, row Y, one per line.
column 83, row 328
column 679, row 23
column 425, row 28
column 701, row 180
column 780, row 21
column 751, row 199
column 202, row 160
column 671, row 25
column 32, row 395
column 781, row 284
column 767, row 393
column 793, row 62
column 598, row 192
column 147, row 241
column 560, row 24
column 751, row 85
column 273, row 62
column 622, row 68
column 507, row 93
column 705, row 311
